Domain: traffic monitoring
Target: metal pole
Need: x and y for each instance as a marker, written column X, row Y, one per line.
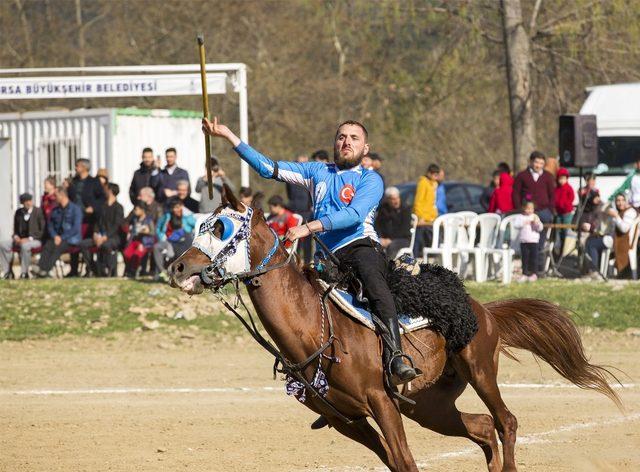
column 205, row 113
column 244, row 120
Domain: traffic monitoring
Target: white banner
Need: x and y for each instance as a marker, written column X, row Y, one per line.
column 110, row 86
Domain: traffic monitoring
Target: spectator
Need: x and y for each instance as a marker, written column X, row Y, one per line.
column 503, row 167
column 441, row 194
column 367, row 162
column 148, row 175
column 424, row 206
column 65, row 230
column 552, row 165
column 631, row 185
column 246, row 196
column 487, row 193
column 219, row 178
column 530, row 228
column 299, row 201
column 502, row 198
column 141, row 238
column 590, row 187
column 87, row 193
column 66, row 183
column 320, row 156
column 171, row 175
column 256, row 201
column 28, row 228
column 48, row 201
column 393, row 223
column 609, row 229
column 103, row 176
column 564, row 196
column 106, row 237
column 376, row 164
column 154, row 209
column 182, row 189
column 537, row 185
column 174, row 233
column 280, row 219
column 589, row 197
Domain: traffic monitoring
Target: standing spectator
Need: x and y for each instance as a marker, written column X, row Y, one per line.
column 552, row 165
column 424, row 206
column 87, row 193
column 280, row 219
column 246, row 196
column 320, row 156
column 589, row 188
column 103, row 176
column 487, row 193
column 28, row 228
column 503, row 167
column 441, row 195
column 106, row 237
column 367, row 162
column 171, row 175
column 182, row 189
column 141, row 238
column 48, row 201
column 502, row 198
column 537, row 185
column 299, row 201
column 609, row 229
column 393, row 223
column 530, row 228
column 148, row 175
column 218, row 178
column 174, row 233
column 65, row 230
column 631, row 185
column 376, row 164
column 564, row 204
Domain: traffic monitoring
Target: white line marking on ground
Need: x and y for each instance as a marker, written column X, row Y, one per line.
column 156, row 390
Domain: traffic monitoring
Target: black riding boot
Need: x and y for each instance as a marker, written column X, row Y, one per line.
column 400, row 373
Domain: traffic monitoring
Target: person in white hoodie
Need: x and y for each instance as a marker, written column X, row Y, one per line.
column 530, row 228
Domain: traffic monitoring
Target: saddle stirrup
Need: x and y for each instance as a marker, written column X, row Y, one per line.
column 398, row 371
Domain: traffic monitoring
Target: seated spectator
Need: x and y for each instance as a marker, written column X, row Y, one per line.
column 65, row 230
column 564, row 204
column 48, row 201
column 154, row 209
column 502, row 198
column 610, row 229
column 141, row 238
column 530, row 228
column 174, row 233
column 320, row 156
column 28, row 229
column 590, row 187
column 191, row 204
column 631, row 185
column 106, row 237
column 393, row 223
column 441, row 195
column 280, row 219
column 219, row 178
column 424, row 207
column 170, row 176
column 485, row 198
column 246, row 196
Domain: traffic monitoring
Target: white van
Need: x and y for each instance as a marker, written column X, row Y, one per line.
column 617, row 108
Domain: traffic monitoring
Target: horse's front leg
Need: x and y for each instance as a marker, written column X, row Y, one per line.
column 386, row 414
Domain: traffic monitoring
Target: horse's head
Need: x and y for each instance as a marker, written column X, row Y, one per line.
column 221, row 247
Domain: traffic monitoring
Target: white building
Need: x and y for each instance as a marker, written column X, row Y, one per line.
column 34, row 145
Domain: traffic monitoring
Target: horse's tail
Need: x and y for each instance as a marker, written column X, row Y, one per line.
column 547, row 331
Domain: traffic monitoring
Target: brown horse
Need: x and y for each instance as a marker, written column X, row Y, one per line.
column 290, row 309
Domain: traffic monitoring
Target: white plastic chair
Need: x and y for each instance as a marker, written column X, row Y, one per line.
column 466, row 240
column 450, row 225
column 607, row 262
column 409, row 250
column 487, row 226
column 504, row 250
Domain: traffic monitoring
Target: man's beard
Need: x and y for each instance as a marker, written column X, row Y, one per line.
column 342, row 162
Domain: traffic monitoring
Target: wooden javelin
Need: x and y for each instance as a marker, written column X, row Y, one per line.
column 205, row 113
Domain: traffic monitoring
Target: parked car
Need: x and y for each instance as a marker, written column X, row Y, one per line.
column 461, row 196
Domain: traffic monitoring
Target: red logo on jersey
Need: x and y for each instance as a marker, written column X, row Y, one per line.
column 347, row 193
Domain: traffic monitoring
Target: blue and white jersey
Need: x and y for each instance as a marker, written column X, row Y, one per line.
column 344, row 201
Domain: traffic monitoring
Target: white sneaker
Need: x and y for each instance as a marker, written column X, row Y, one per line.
column 522, row 279
column 533, row 278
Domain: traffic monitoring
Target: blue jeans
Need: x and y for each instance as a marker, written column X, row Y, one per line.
column 594, row 247
column 546, row 217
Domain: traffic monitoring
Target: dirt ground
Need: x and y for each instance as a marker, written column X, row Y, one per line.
column 147, row 402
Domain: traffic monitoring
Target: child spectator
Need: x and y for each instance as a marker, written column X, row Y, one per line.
column 530, row 228
column 502, row 197
column 564, row 203
column 280, row 219
column 141, row 238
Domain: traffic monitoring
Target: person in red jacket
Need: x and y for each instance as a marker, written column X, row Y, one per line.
column 502, row 197
column 280, row 219
column 564, row 196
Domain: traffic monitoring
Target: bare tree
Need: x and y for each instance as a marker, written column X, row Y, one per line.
column 518, row 57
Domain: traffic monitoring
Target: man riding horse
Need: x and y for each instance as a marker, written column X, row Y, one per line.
column 345, row 198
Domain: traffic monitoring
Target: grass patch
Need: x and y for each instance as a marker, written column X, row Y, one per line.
column 98, row 307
